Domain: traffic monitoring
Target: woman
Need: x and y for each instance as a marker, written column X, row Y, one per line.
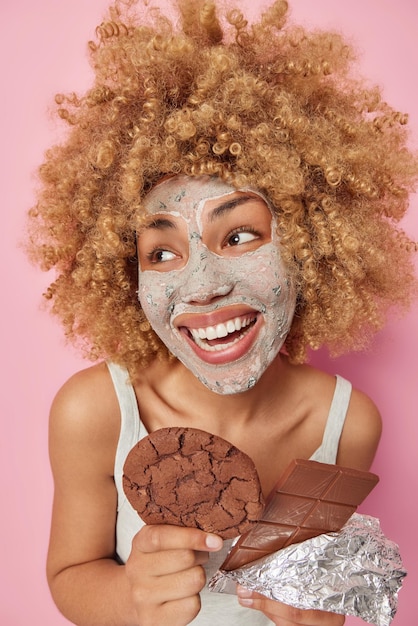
column 226, row 200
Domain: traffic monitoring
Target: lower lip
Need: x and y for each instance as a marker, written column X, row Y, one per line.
column 230, row 354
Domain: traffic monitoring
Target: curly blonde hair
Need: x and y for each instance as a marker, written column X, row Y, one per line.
column 269, row 105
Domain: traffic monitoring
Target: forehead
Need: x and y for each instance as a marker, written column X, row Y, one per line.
column 185, row 195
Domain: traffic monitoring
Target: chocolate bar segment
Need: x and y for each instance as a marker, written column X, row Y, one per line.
column 309, row 499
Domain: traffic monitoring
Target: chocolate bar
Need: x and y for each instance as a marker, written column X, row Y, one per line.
column 309, row 499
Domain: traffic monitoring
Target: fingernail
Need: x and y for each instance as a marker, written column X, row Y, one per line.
column 214, row 542
column 243, row 592
column 244, row 596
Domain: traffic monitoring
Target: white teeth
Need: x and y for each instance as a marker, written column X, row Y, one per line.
column 230, row 327
column 238, row 323
column 219, row 332
column 215, row 348
column 211, row 333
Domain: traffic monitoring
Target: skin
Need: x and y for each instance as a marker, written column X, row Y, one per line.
column 280, row 418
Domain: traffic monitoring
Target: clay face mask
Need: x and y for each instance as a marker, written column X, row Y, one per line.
column 212, row 282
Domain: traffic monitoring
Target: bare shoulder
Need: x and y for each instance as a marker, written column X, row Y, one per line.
column 89, row 390
column 363, row 425
column 85, row 415
column 361, row 433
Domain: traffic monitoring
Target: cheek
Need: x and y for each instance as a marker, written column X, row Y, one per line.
column 263, row 273
column 151, row 294
column 157, row 292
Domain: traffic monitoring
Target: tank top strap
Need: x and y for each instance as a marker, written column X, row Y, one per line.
column 327, row 452
column 130, row 426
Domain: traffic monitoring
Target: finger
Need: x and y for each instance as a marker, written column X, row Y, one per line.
column 158, row 590
column 176, row 612
column 288, row 615
column 157, row 538
column 166, row 562
column 187, row 583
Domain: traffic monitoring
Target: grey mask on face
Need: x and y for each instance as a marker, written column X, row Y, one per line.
column 224, row 318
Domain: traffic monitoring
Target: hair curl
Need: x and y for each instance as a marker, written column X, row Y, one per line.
column 268, row 105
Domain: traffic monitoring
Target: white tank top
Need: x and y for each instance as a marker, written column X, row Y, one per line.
column 216, row 608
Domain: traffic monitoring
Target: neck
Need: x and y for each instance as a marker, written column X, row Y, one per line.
column 212, row 409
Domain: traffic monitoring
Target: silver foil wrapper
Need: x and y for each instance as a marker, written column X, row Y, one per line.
column 357, row 571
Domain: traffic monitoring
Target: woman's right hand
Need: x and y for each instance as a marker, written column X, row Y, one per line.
column 165, row 573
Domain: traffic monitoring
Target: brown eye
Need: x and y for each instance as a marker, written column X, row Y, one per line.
column 161, row 256
column 241, row 237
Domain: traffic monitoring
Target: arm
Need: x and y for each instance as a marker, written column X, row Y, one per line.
column 86, row 582
column 164, row 570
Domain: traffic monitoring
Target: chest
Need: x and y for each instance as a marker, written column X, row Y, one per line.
column 272, row 453
column 272, row 437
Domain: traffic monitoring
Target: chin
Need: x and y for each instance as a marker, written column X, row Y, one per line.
column 226, row 388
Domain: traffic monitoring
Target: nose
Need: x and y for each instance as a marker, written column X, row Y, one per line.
column 208, row 279
column 205, row 296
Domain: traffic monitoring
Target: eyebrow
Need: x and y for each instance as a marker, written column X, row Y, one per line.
column 230, row 205
column 161, row 223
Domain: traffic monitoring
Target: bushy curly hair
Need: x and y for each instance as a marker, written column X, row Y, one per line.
column 268, row 105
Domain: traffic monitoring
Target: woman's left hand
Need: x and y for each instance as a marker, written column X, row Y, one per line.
column 283, row 614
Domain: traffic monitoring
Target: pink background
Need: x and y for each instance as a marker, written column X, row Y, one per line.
column 44, row 52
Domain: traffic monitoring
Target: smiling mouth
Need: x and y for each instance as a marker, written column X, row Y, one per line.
column 224, row 335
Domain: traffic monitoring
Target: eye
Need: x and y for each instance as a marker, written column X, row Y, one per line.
column 241, row 236
column 160, row 255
